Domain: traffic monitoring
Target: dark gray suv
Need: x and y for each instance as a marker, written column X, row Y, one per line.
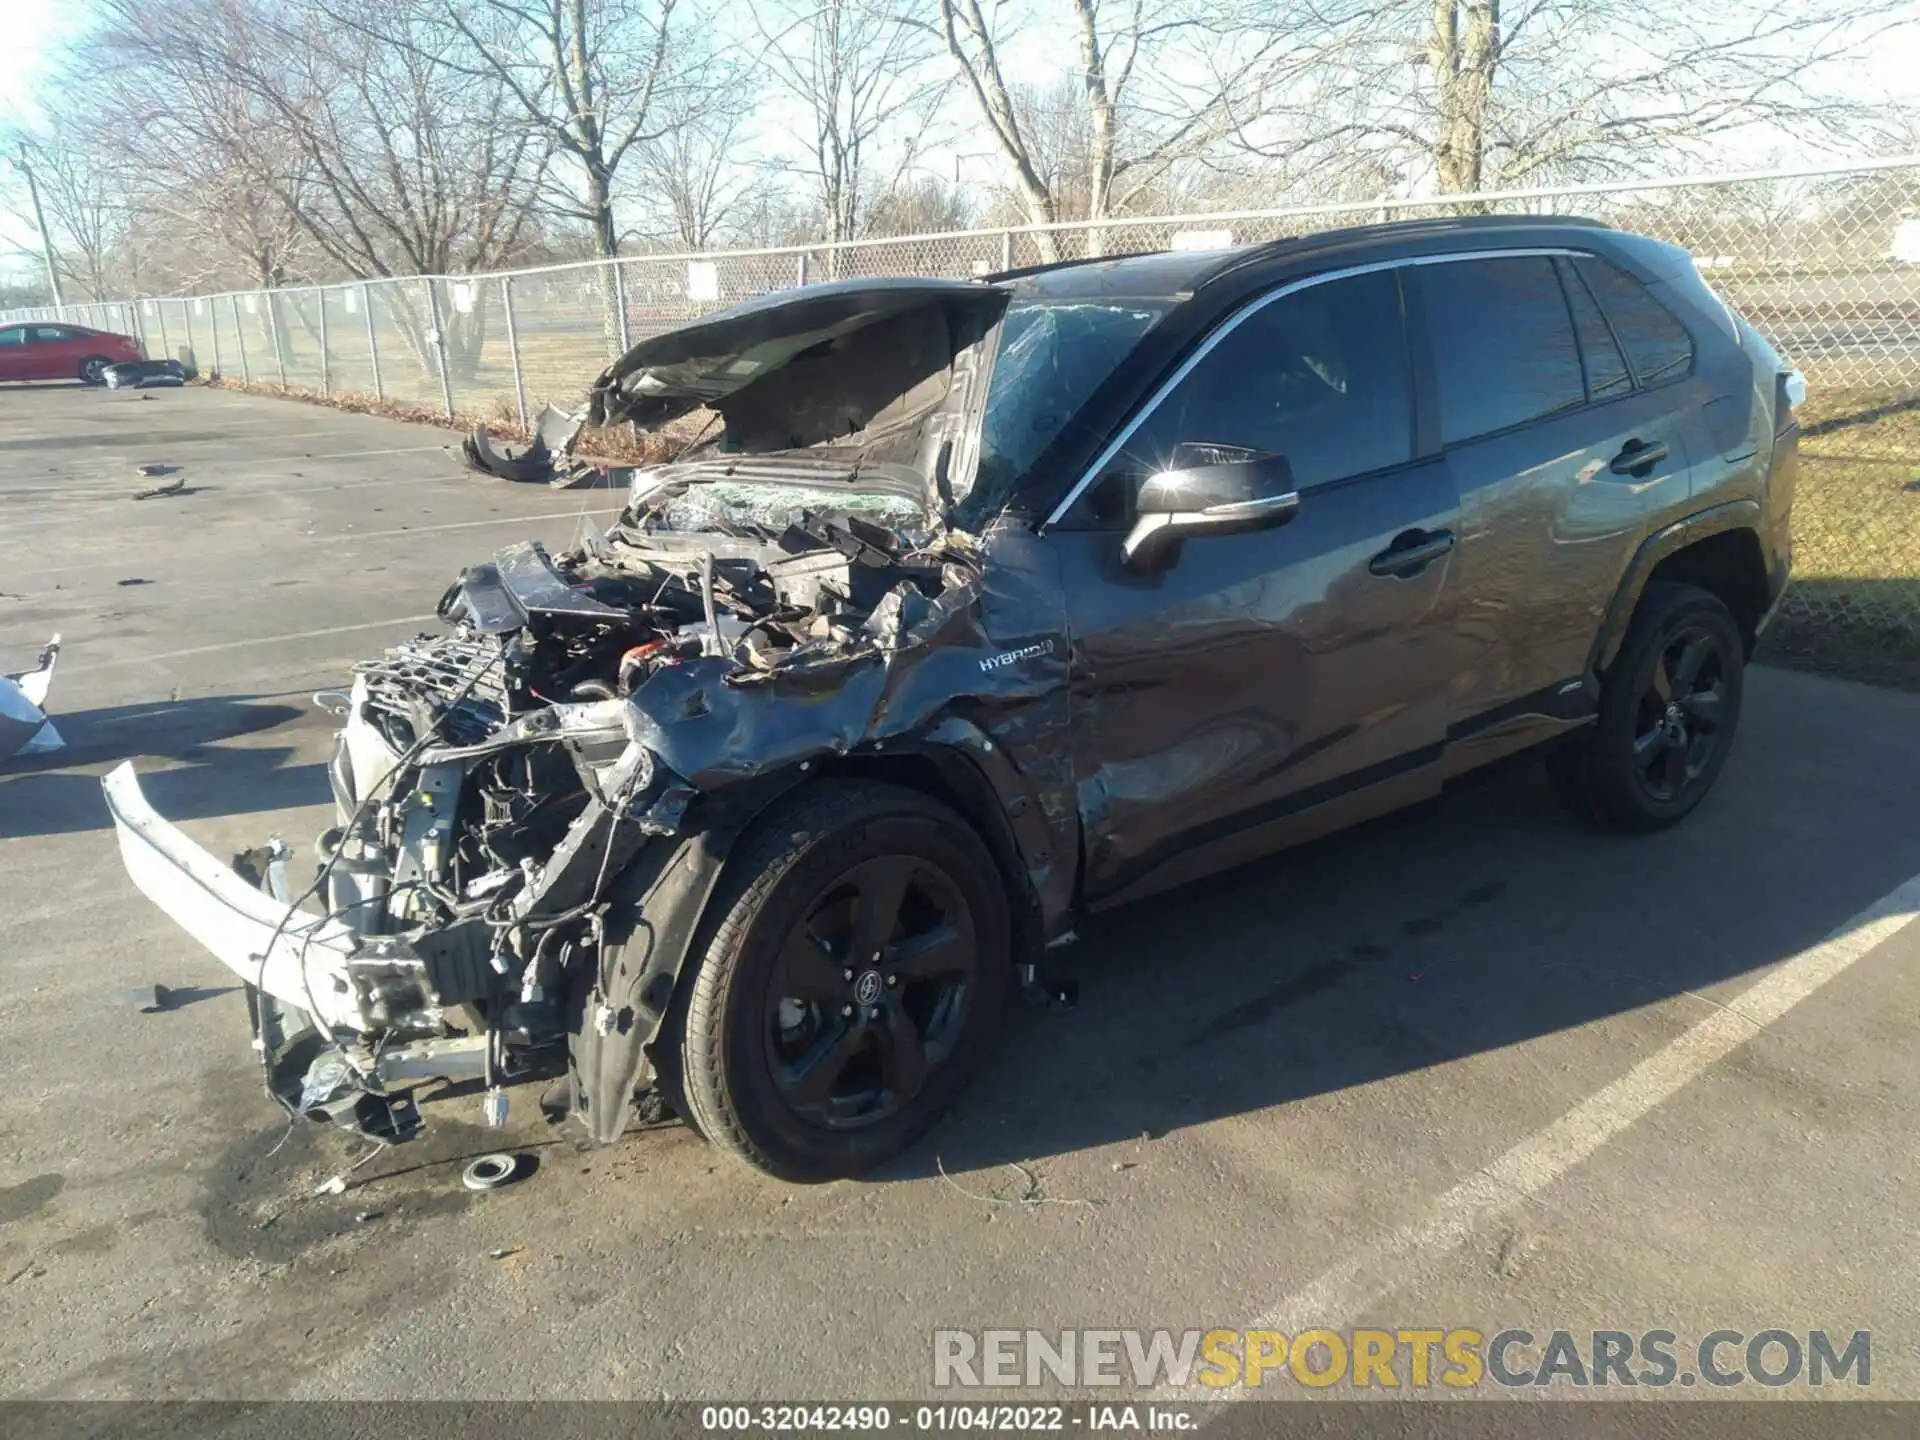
column 975, row 607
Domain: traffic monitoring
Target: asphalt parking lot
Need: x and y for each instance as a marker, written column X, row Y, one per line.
column 1472, row 1066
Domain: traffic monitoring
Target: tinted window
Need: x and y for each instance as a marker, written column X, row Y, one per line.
column 1319, row 376
column 1657, row 345
column 1503, row 344
column 15, row 336
column 1606, row 370
column 51, row 333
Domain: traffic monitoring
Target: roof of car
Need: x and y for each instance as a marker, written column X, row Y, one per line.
column 1169, row 273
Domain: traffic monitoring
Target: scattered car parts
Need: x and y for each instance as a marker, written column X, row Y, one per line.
column 490, row 1172
column 532, row 466
column 547, row 459
column 24, row 726
column 138, row 374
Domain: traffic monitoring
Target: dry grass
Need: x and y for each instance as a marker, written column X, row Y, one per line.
column 1854, row 608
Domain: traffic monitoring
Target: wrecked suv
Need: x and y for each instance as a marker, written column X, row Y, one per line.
column 980, row 606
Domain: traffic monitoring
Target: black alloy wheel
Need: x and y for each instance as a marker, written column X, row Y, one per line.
column 870, row 992
column 1669, row 706
column 860, row 953
column 1678, row 719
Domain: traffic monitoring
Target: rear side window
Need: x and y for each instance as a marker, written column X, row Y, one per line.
column 1606, row 368
column 51, row 333
column 1503, row 343
column 1319, row 376
column 1657, row 345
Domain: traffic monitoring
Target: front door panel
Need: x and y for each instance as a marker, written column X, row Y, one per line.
column 1260, row 675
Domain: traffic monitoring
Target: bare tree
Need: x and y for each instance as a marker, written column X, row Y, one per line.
column 82, row 205
column 214, row 162
column 689, row 177
column 861, row 77
column 920, row 205
column 1473, row 94
column 596, row 79
column 1156, row 84
column 393, row 161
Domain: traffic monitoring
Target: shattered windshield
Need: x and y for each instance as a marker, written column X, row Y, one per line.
column 1053, row 355
column 720, row 505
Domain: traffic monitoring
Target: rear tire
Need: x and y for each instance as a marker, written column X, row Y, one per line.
column 93, row 370
column 860, row 962
column 1668, row 711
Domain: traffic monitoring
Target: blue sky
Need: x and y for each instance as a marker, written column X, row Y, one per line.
column 36, row 31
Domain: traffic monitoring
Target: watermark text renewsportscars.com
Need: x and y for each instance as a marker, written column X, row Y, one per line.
column 1403, row 1358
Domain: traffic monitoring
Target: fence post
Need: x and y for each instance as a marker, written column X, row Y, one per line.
column 240, row 339
column 800, row 270
column 620, row 299
column 513, row 349
column 326, row 362
column 186, row 318
column 213, row 324
column 373, row 344
column 275, row 328
column 1006, row 249
column 437, row 340
column 166, row 349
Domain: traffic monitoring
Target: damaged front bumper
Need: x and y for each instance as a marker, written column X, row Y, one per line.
column 301, row 962
column 313, row 985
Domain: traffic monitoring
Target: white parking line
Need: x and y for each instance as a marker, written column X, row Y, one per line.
column 340, row 455
column 168, row 541
column 1342, row 1294
column 462, row 525
column 120, row 663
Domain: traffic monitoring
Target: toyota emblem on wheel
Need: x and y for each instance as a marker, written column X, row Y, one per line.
column 866, row 989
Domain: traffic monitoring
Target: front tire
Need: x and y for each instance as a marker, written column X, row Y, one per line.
column 858, row 969
column 1668, row 712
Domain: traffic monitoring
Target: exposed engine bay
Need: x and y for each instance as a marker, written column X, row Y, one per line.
column 535, row 803
column 493, row 780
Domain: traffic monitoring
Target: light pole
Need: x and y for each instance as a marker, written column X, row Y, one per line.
column 40, row 223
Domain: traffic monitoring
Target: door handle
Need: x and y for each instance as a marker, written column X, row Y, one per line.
column 1637, row 457
column 1411, row 551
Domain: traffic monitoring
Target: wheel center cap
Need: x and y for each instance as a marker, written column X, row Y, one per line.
column 867, row 988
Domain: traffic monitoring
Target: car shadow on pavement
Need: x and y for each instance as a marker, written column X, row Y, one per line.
column 59, row 792
column 1480, row 921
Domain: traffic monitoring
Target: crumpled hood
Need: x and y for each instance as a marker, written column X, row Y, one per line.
column 859, row 373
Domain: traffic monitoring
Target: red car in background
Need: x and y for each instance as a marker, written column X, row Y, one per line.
column 48, row 350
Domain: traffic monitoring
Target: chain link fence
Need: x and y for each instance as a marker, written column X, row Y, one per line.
column 1824, row 263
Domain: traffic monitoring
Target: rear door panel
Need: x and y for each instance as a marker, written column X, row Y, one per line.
column 1546, row 531
column 1547, row 525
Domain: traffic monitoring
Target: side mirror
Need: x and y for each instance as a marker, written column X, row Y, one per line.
column 1218, row 499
